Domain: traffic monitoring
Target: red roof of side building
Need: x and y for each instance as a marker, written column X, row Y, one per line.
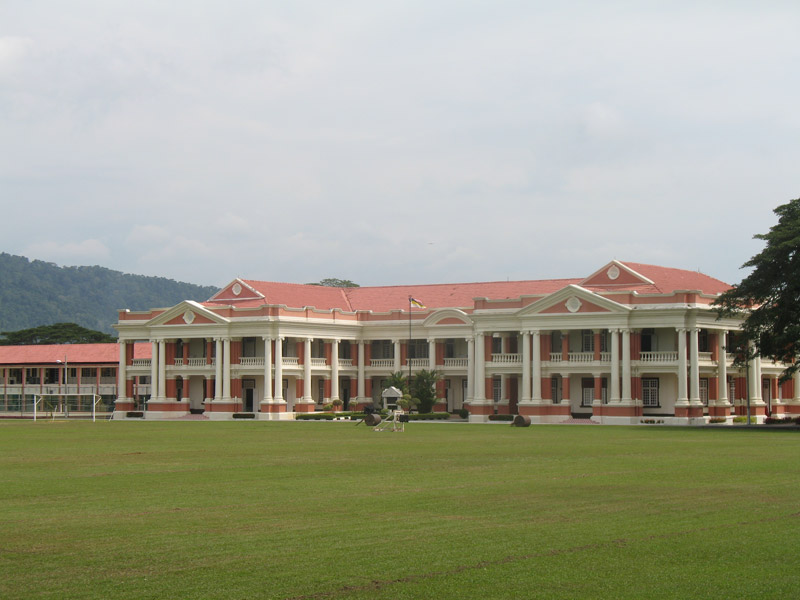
column 75, row 353
column 664, row 280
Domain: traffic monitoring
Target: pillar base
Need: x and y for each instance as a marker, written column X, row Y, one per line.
column 480, row 408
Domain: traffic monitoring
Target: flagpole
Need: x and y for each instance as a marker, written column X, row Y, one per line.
column 408, row 347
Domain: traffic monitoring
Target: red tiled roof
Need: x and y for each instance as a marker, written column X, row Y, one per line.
column 461, row 295
column 74, row 353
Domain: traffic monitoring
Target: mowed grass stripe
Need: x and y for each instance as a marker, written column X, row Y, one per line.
column 283, row 510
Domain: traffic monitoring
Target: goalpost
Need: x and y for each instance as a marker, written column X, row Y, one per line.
column 66, row 406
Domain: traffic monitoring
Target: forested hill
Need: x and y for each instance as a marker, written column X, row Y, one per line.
column 34, row 292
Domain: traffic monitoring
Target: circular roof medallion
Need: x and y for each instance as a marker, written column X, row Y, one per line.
column 188, row 317
column 613, row 272
column 236, row 289
column 573, row 304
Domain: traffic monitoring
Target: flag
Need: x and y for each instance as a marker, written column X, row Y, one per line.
column 415, row 302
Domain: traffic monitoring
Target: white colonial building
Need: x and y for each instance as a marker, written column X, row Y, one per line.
column 628, row 343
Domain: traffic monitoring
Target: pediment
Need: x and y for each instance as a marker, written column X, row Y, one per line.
column 573, row 299
column 237, row 290
column 188, row 313
column 616, row 273
column 447, row 316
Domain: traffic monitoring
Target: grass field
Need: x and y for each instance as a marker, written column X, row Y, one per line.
column 331, row 510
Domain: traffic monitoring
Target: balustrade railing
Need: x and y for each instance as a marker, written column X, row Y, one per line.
column 704, row 356
column 456, row 362
column 382, row 362
column 345, row 362
column 581, row 357
column 197, row 362
column 140, row 362
column 318, row 362
column 555, row 357
column 251, row 361
column 290, row 361
column 664, row 356
column 418, row 362
column 506, row 358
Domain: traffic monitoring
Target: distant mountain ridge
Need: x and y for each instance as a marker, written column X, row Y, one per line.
column 35, row 292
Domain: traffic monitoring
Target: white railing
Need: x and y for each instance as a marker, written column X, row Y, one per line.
column 418, row 362
column 251, row 361
column 345, row 362
column 382, row 362
column 658, row 356
column 140, row 362
column 318, row 362
column 197, row 362
column 581, row 357
column 456, row 362
column 605, row 357
column 289, row 361
column 506, row 358
column 178, row 362
column 704, row 356
column 555, row 357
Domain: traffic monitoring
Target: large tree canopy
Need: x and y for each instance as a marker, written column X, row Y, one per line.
column 59, row 333
column 335, row 282
column 770, row 294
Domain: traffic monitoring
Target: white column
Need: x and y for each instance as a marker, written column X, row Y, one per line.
column 121, row 373
column 694, row 366
column 307, row 397
column 218, row 369
column 154, row 370
column 334, row 369
column 431, row 354
column 526, row 367
column 396, row 365
column 722, row 370
column 362, row 388
column 470, row 369
column 614, row 365
column 537, row 367
column 162, row 370
column 480, row 368
column 278, row 396
column 504, row 389
column 796, row 399
column 683, row 397
column 267, row 369
column 226, row 369
column 626, row 366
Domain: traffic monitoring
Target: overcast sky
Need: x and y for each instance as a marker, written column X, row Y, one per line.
column 395, row 142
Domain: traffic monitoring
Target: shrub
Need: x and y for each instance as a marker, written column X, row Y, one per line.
column 463, row 413
column 429, row 416
column 740, row 419
column 321, row 416
column 134, row 414
column 778, row 420
column 244, row 415
column 327, row 407
column 501, row 417
column 718, row 420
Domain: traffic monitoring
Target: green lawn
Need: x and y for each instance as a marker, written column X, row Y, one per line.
column 332, row 510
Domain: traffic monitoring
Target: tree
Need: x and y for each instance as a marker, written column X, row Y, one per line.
column 423, row 389
column 59, row 333
column 769, row 297
column 398, row 380
column 334, row 282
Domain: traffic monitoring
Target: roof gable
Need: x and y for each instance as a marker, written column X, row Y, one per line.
column 236, row 291
column 616, row 273
column 188, row 312
column 570, row 300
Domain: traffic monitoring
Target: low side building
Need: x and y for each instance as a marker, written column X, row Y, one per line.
column 629, row 342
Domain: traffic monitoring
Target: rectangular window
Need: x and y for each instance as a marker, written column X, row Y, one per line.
column 497, row 389
column 555, row 389
column 731, row 389
column 418, row 349
column 649, row 340
column 650, row 391
column 108, row 372
column 497, row 345
column 587, row 391
column 587, row 340
column 248, row 347
column 704, row 390
column 605, row 346
column 702, row 341
column 450, row 348
column 382, row 349
column 321, row 390
column 32, row 376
